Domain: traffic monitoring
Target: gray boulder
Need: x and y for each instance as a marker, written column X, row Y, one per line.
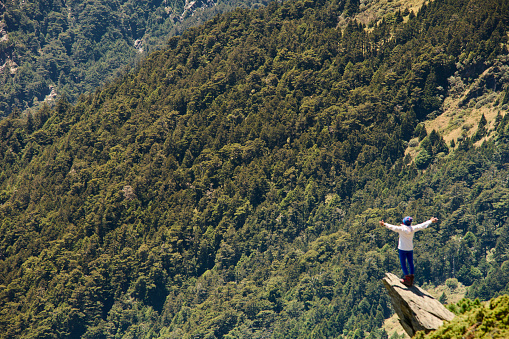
column 417, row 309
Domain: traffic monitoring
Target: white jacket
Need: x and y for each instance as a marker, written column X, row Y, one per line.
column 406, row 234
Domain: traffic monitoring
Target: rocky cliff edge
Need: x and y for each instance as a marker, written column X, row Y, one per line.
column 417, row 309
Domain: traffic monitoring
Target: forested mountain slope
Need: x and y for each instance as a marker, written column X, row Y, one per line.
column 54, row 48
column 232, row 184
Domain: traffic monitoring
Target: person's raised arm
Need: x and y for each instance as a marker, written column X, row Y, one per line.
column 389, row 226
column 425, row 224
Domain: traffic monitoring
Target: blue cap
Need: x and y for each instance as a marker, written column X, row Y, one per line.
column 408, row 221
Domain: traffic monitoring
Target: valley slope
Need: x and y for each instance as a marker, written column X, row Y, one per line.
column 50, row 49
column 231, row 185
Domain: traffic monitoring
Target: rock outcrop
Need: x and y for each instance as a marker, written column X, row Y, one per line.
column 192, row 6
column 417, row 309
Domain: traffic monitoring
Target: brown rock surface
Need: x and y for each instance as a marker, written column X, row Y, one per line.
column 417, row 309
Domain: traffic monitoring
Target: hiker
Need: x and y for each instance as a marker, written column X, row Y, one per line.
column 405, row 246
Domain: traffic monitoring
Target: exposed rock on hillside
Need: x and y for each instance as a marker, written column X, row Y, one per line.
column 138, row 44
column 417, row 310
column 192, row 5
column 9, row 65
column 3, row 32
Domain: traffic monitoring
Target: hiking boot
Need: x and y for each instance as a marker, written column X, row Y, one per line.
column 411, row 280
column 407, row 281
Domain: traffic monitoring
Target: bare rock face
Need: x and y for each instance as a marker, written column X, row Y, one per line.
column 417, row 309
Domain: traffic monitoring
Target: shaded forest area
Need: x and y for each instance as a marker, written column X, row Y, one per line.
column 50, row 49
column 231, row 186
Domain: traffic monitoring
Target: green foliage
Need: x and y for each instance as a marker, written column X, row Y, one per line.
column 464, row 305
column 443, row 298
column 476, row 320
column 452, row 283
column 431, row 146
column 481, row 129
column 231, row 185
column 422, row 159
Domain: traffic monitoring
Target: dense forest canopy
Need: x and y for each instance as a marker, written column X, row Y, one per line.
column 231, row 185
column 55, row 48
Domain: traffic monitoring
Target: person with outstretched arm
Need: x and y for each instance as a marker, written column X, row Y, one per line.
column 406, row 245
